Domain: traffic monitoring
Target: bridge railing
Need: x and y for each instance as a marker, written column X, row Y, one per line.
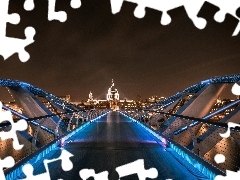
column 34, row 158
column 178, row 151
column 39, row 133
column 64, row 124
column 206, row 139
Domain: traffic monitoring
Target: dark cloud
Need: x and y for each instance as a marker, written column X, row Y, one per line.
column 93, row 46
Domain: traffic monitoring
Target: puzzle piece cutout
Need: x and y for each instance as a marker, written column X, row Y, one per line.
column 236, row 89
column 5, row 163
column 9, row 45
column 66, row 164
column 227, row 133
column 137, row 167
column 75, row 4
column 220, row 158
column 29, row 5
column 227, row 7
column 20, row 125
column 192, row 8
column 52, row 14
column 87, row 173
column 28, row 171
column 230, row 175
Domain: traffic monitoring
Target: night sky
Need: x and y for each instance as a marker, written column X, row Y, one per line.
column 143, row 57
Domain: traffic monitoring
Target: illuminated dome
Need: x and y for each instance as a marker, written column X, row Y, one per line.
column 112, row 93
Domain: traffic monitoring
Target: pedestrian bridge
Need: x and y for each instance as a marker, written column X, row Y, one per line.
column 177, row 138
column 112, row 141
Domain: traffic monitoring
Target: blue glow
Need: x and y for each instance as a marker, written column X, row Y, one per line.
column 14, row 112
column 205, row 82
column 187, row 155
column 37, row 157
column 194, row 162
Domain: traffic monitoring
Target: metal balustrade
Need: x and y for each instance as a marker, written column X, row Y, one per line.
column 206, row 143
column 31, row 137
column 34, row 157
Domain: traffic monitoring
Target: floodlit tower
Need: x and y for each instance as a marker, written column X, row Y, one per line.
column 113, row 97
column 112, row 93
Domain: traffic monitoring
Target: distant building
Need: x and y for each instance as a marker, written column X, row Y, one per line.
column 113, row 97
column 112, row 100
column 112, row 93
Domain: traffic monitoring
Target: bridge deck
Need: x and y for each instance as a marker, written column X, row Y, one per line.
column 115, row 140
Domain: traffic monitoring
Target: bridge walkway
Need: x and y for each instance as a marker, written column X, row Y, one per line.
column 115, row 140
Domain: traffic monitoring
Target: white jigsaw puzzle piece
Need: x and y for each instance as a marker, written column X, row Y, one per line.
column 20, row 125
column 28, row 171
column 160, row 5
column 227, row 133
column 220, row 158
column 230, row 175
column 9, row 45
column 53, row 15
column 227, row 7
column 236, row 89
column 29, row 5
column 137, row 167
column 5, row 163
column 66, row 164
column 75, row 4
column 192, row 9
column 87, row 173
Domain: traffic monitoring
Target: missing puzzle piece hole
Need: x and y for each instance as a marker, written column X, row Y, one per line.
column 29, row 33
column 219, row 17
column 29, row 5
column 8, row 162
column 200, row 23
column 236, row 89
column 14, row 18
column 219, row 158
column 166, row 19
column 139, row 12
column 27, row 169
column 116, row 5
column 75, row 4
column 23, row 56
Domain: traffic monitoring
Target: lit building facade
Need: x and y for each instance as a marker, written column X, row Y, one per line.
column 112, row 93
column 114, row 102
column 113, row 97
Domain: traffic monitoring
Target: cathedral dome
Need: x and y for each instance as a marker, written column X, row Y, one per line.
column 112, row 93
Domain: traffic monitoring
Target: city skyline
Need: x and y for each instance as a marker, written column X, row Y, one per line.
column 143, row 57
